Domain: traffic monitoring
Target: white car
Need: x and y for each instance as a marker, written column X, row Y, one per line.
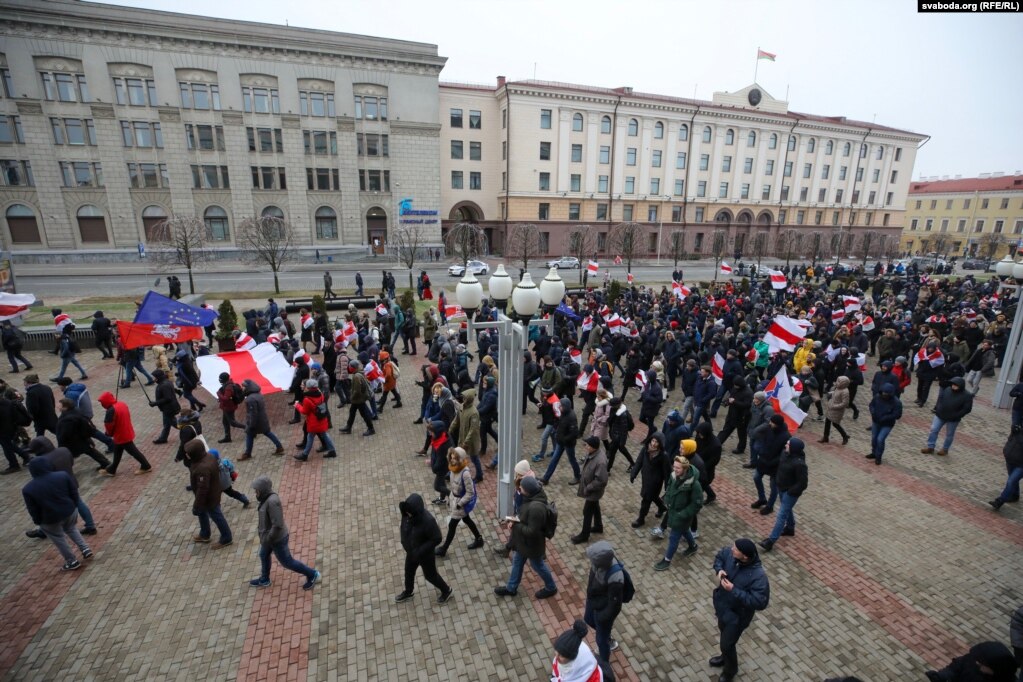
column 476, row 267
column 565, row 262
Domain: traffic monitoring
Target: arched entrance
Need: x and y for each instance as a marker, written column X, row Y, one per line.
column 466, row 212
column 376, row 228
column 744, row 222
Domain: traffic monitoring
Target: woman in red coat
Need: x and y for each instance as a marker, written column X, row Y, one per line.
column 313, row 407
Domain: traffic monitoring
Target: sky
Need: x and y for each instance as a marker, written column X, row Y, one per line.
column 949, row 76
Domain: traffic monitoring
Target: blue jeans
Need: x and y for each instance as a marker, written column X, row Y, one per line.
column 83, row 511
column 324, row 439
column 950, row 432
column 217, row 515
column 675, row 537
column 250, row 437
column 1011, row 492
column 603, row 631
column 786, row 519
column 878, row 434
column 758, row 481
column 103, row 438
column 545, row 435
column 129, row 371
column 539, row 565
column 71, row 360
column 283, row 554
column 558, row 450
column 754, row 453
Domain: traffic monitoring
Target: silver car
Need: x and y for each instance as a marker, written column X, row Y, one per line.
column 564, row 263
column 476, row 267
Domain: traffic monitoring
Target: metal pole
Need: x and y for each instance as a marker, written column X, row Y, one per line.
column 1013, row 361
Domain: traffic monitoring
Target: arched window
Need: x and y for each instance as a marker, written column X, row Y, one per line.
column 151, row 217
column 792, row 143
column 577, row 123
column 22, row 224
column 772, row 142
column 605, row 125
column 880, row 153
column 326, row 223
column 846, row 148
column 729, row 136
column 863, row 151
column 633, row 127
column 811, row 145
column 658, row 130
column 707, row 133
column 216, row 222
column 751, row 139
column 683, row 132
column 829, row 148
column 92, row 225
column 272, row 212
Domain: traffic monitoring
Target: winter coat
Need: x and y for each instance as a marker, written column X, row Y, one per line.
column 467, row 424
column 74, row 431
column 527, row 536
column 1013, row 450
column 770, row 443
column 225, row 398
column 759, row 415
column 834, row 408
column 881, row 378
column 619, row 425
column 654, row 469
column 463, row 490
column 256, row 419
column 601, row 416
column 705, row 391
column 651, row 400
column 313, row 422
column 117, row 422
column 51, row 496
column 751, row 591
column 420, row 533
column 166, row 398
column 79, row 395
column 593, row 476
column 952, row 406
column 390, row 382
column 886, row 411
column 567, row 431
column 683, row 498
column 41, row 405
column 708, row 447
column 792, row 476
column 272, row 528
column 205, row 479
column 603, row 588
column 994, row 655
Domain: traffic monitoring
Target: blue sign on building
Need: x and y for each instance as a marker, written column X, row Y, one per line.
column 411, row 216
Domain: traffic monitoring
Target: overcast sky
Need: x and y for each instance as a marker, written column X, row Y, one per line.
column 954, row 77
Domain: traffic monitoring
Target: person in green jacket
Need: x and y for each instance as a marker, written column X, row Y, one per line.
column 467, row 426
column 683, row 498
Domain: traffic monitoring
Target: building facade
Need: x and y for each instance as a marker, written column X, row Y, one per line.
column 980, row 217
column 742, row 165
column 113, row 118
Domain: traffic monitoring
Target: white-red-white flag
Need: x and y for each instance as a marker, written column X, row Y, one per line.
column 618, row 260
column 785, row 333
column 263, row 364
column 576, row 355
column 851, row 303
column 588, row 382
column 244, row 342
column 778, row 280
column 641, row 380
column 781, row 396
column 725, row 268
column 451, row 311
column 717, row 368
column 592, row 267
column 381, row 310
column 372, row 371
column 12, row 305
column 837, row 315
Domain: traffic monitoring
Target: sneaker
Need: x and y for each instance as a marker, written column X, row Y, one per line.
column 260, row 582
column 662, row 565
column 614, row 645
column 444, row 596
column 690, row 551
column 696, row 534
column 72, row 565
column 404, row 596
column 546, row 592
column 86, row 553
column 657, row 533
column 503, row 591
column 312, row 581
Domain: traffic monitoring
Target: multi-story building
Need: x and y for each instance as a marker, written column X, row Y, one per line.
column 113, row 118
column 980, row 216
column 562, row 156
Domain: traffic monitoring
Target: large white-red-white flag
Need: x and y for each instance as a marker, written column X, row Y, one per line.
column 717, row 368
column 264, row 364
column 12, row 305
column 778, row 280
column 785, row 333
column 851, row 303
column 725, row 268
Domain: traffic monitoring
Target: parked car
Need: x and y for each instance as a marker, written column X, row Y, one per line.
column 842, row 269
column 565, row 262
column 976, row 264
column 476, row 267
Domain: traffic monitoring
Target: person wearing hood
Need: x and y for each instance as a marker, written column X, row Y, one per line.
column 204, row 479
column 708, row 448
column 619, row 425
column 13, row 342
column 166, row 400
column 529, row 541
column 834, row 409
column 461, row 500
column 420, row 536
column 188, row 377
column 683, row 499
column 601, row 416
column 885, row 409
column 954, row 403
column 742, row 589
column 592, row 483
column 361, row 395
column 771, row 439
column 75, row 431
column 565, row 436
column 51, row 498
column 574, row 660
column 439, row 443
column 984, row 662
column 604, row 589
column 102, row 328
column 653, row 465
column 273, row 537
column 189, row 428
column 314, row 408
column 1013, row 453
column 703, row 394
column 257, row 422
column 792, row 480
column 78, row 393
column 467, row 425
column 740, row 402
column 390, row 370
column 651, row 399
column 117, row 423
column 62, row 460
column 429, row 374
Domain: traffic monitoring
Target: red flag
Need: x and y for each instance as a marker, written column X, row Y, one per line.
column 135, row 335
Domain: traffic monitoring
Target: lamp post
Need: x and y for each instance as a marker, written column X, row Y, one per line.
column 513, row 338
column 1013, row 360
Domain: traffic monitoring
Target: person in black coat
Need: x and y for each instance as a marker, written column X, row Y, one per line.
column 166, row 399
column 619, row 424
column 41, row 405
column 12, row 416
column 771, row 439
column 604, row 590
column 74, row 432
column 792, row 480
column 651, row 399
column 654, row 467
column 1013, row 453
column 708, row 447
column 740, row 401
column 101, row 327
column 420, row 536
column 984, row 662
column 13, row 344
column 743, row 589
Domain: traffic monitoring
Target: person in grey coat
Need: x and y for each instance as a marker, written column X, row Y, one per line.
column 760, row 413
column 256, row 420
column 592, row 483
column 273, row 537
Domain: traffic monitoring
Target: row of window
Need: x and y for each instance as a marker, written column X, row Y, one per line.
column 475, row 119
column 978, row 225
column 984, row 204
column 475, row 150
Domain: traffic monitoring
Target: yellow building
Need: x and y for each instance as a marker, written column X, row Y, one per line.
column 965, row 216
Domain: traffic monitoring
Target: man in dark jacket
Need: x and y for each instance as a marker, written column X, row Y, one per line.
column 102, row 328
column 885, row 410
column 257, row 422
column 204, row 474
column 954, row 403
column 743, row 589
column 883, row 376
column 529, row 541
column 731, row 369
column 74, row 432
column 420, row 536
column 984, row 662
column 41, row 405
column 792, row 481
column 566, row 433
column 927, row 373
column 604, row 590
column 650, row 399
column 12, row 416
column 703, row 394
column 51, row 498
column 1013, row 454
column 740, row 403
column 487, row 410
column 592, row 483
column 273, row 537
column 361, row 394
column 771, row 439
column 12, row 339
column 166, row 399
column 62, row 460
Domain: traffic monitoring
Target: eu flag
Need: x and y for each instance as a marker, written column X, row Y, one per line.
column 158, row 309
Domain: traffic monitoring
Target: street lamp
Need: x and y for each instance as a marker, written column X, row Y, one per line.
column 1005, row 267
column 1013, row 360
column 513, row 338
column 500, row 286
column 552, row 289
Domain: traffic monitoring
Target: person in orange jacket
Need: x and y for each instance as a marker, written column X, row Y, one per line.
column 391, row 373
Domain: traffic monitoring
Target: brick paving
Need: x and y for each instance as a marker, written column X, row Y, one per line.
column 894, row 568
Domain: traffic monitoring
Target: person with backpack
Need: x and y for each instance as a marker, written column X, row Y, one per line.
column 229, row 397
column 683, row 499
column 68, row 352
column 420, row 536
column 606, row 591
column 273, row 537
column 14, row 341
column 391, row 375
column 189, row 428
column 461, row 500
column 361, row 394
column 314, row 408
column 536, row 522
column 742, row 590
column 228, row 475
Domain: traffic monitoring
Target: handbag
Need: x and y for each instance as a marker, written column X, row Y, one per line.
column 199, row 437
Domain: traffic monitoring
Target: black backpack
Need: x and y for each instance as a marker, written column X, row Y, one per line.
column 550, row 526
column 237, row 395
column 628, row 588
column 321, row 410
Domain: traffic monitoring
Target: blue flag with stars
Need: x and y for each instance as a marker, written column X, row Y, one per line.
column 158, row 309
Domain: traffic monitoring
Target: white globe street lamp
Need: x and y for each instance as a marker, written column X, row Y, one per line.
column 526, row 298
column 552, row 288
column 500, row 286
column 1004, row 267
column 469, row 292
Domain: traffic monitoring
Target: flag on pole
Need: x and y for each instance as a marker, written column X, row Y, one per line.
column 717, row 368
column 781, row 396
column 725, row 268
column 851, row 303
column 12, row 305
column 263, row 364
column 158, row 309
column 762, row 54
column 453, row 311
column 785, row 333
column 592, row 267
column 778, row 280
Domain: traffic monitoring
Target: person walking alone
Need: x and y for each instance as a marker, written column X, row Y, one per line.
column 792, row 481
column 328, row 281
column 954, row 403
column 420, row 536
column 273, row 537
column 885, row 410
column 743, row 589
column 592, row 483
column 604, row 589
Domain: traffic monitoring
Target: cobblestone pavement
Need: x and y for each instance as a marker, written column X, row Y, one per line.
column 894, row 568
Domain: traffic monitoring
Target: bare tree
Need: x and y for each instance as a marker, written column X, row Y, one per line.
column 181, row 241
column 868, row 240
column 814, row 247
column 718, row 247
column 523, row 243
column 267, row 240
column 467, row 241
column 582, row 243
column 787, row 245
column 841, row 240
column 407, row 240
column 624, row 240
column 675, row 245
column 989, row 243
column 760, row 245
column 940, row 245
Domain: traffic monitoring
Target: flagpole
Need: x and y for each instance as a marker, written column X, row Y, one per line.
column 756, row 66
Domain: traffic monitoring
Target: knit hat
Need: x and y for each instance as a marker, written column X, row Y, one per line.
column 796, row 446
column 760, row 395
column 224, row 377
column 777, row 419
column 530, row 485
column 747, row 547
column 688, row 447
column 568, row 643
column 593, row 442
column 522, row 468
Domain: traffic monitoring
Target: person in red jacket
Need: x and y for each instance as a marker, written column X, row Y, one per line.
column 313, row 407
column 229, row 396
column 117, row 424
